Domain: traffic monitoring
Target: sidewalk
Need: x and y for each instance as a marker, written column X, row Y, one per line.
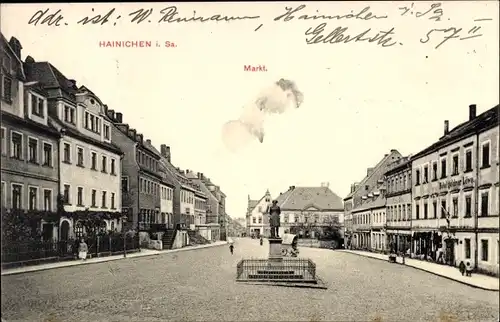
column 476, row 280
column 142, row 253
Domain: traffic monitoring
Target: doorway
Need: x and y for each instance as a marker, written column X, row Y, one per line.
column 64, row 230
column 450, row 252
column 47, row 232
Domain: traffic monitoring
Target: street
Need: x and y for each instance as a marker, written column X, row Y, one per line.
column 200, row 285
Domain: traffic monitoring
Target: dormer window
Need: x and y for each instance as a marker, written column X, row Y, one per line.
column 69, row 114
column 6, row 88
column 37, row 105
column 92, row 122
column 107, row 134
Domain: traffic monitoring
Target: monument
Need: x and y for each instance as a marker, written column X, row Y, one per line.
column 277, row 269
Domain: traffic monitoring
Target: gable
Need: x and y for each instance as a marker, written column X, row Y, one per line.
column 261, row 207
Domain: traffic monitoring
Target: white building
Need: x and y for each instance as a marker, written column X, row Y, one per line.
column 166, row 203
column 455, row 194
column 90, row 164
column 257, row 222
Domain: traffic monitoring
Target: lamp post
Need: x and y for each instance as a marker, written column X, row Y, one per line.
column 124, row 220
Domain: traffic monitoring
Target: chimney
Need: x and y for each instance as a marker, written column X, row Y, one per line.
column 202, row 176
column 165, row 151
column 132, row 133
column 292, row 187
column 111, row 115
column 148, row 141
column 119, row 117
column 140, row 138
column 15, row 44
column 188, row 171
column 369, row 171
column 472, row 111
column 199, row 177
column 446, row 127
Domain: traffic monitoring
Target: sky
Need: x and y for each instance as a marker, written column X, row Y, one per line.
column 360, row 99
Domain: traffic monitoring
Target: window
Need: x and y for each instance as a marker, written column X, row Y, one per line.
column 434, row 209
column 33, row 198
column 484, row 203
column 468, row 160
column 113, row 166
column 92, row 123
column 443, row 208
column 47, row 154
column 484, row 250
column 417, row 211
column 16, row 140
column 124, row 184
column 7, row 89
column 468, row 206
column 69, row 114
column 426, row 174
column 254, row 220
column 454, row 170
column 66, row 195
column 47, row 200
column 67, row 153
column 417, row 177
column 260, row 220
column 104, row 164
column 467, row 248
column 112, row 200
column 17, row 196
column 443, row 168
column 37, row 104
column 94, row 161
column 80, row 196
column 79, row 156
column 455, row 207
column 486, row 155
column 426, row 211
column 4, row 141
column 94, row 198
column 103, row 199
column 32, row 150
column 106, row 132
column 434, row 171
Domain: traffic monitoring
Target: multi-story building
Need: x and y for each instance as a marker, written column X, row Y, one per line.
column 220, row 206
column 29, row 151
column 366, row 207
column 211, row 229
column 397, row 180
column 140, row 177
column 307, row 211
column 200, row 200
column 89, row 162
column 257, row 223
column 455, row 194
column 166, row 199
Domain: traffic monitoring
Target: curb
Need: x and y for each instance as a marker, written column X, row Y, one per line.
column 431, row 272
column 169, row 251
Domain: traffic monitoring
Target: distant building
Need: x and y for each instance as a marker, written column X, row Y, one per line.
column 307, row 211
column 257, row 223
column 456, row 194
column 367, row 207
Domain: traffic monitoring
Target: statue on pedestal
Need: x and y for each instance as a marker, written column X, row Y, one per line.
column 274, row 219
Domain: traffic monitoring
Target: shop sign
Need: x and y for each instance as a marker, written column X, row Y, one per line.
column 456, row 183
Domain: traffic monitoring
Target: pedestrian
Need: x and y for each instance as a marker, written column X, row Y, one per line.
column 231, row 247
column 461, row 267
column 468, row 270
column 82, row 250
column 75, row 246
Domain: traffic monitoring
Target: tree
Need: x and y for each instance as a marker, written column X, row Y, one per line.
column 332, row 229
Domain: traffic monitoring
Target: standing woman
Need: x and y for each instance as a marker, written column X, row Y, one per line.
column 82, row 250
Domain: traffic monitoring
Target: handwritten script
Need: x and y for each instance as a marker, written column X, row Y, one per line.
column 320, row 33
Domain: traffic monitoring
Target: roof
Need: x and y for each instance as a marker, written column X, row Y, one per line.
column 397, row 165
column 48, row 129
column 19, row 63
column 50, row 78
column 362, row 183
column 301, row 198
column 480, row 123
column 252, row 203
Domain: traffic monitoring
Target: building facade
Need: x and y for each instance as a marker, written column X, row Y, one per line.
column 397, row 180
column 310, row 211
column 89, row 163
column 141, row 178
column 29, row 150
column 211, row 229
column 166, row 200
column 257, row 223
column 365, row 202
column 455, row 195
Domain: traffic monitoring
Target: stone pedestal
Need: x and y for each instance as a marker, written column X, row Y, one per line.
column 275, row 248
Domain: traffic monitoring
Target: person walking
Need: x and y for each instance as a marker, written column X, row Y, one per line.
column 231, row 248
column 461, row 267
column 83, row 250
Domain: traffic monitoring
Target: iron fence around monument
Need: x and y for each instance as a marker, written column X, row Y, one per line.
column 295, row 268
